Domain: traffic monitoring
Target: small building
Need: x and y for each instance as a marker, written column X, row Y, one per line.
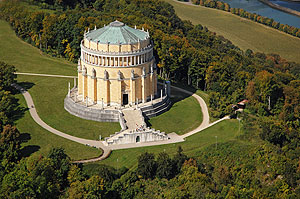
column 242, row 104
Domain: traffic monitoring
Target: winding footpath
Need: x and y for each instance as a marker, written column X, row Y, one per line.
column 174, row 138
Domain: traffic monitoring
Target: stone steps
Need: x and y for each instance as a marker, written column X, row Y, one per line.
column 133, row 119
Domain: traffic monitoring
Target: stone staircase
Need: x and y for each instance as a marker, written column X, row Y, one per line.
column 133, row 119
column 156, row 109
column 136, row 130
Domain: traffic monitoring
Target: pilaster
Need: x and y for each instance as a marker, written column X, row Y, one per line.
column 132, row 91
column 144, row 96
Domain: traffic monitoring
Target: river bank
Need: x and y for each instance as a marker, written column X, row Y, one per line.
column 281, row 8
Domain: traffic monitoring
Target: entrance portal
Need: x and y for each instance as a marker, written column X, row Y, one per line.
column 125, row 99
column 137, row 139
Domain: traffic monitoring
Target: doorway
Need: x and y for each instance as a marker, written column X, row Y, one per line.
column 137, row 139
column 125, row 99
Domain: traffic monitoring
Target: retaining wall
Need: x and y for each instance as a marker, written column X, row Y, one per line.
column 91, row 114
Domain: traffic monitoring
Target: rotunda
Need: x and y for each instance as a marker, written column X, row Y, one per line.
column 117, row 66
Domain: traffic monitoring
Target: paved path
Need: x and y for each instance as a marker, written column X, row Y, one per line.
column 45, row 75
column 174, row 138
column 39, row 121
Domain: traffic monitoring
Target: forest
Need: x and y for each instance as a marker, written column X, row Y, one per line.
column 185, row 54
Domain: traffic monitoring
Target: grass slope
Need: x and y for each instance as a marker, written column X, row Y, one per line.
column 48, row 94
column 41, row 141
column 244, row 33
column 27, row 58
column 184, row 116
column 225, row 131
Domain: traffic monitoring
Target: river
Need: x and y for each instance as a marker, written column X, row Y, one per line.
column 255, row 6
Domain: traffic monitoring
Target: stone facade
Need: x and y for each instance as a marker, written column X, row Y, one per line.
column 129, row 137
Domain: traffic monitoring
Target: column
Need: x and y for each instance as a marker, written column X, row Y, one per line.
column 136, row 60
column 119, row 61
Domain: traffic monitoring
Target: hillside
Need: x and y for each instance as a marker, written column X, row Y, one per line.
column 244, row 33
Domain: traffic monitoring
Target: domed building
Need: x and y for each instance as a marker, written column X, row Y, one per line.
column 117, row 82
column 117, row 66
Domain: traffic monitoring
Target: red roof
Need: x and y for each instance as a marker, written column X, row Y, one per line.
column 243, row 102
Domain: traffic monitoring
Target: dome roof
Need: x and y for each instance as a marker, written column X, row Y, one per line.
column 117, row 33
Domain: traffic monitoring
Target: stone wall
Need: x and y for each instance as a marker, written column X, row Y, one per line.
column 89, row 113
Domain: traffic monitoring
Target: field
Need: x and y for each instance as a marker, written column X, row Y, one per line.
column 244, row 33
column 225, row 131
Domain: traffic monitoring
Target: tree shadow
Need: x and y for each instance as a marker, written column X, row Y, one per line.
column 25, row 137
column 26, row 151
column 26, row 85
column 19, row 111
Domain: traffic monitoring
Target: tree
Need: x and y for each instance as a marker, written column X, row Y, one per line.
column 61, row 164
column 91, row 188
column 10, row 145
column 75, row 174
column 178, row 160
column 146, row 165
column 164, row 166
column 7, row 76
column 18, row 183
column 8, row 108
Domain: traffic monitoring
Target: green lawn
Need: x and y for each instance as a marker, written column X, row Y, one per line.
column 48, row 94
column 244, row 33
column 27, row 58
column 225, row 131
column 184, row 116
column 41, row 141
